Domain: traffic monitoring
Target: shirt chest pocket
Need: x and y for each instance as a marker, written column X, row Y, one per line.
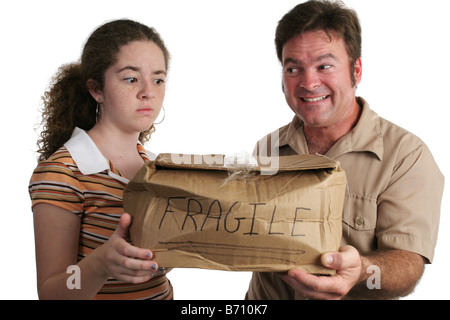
column 359, row 220
column 360, row 213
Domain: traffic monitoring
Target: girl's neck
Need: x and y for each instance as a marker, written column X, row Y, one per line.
column 118, row 147
column 113, row 141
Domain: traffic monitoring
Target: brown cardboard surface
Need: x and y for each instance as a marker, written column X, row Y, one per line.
column 193, row 212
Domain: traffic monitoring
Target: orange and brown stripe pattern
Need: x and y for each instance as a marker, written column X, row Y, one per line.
column 97, row 200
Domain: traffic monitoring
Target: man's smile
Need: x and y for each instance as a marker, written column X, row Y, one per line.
column 314, row 99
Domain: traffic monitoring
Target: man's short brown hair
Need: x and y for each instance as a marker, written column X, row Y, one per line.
column 329, row 16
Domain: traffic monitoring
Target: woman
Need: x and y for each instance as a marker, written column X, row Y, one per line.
column 96, row 116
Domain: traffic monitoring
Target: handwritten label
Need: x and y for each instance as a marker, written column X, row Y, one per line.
column 192, row 215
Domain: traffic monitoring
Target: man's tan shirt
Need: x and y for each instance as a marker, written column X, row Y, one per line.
column 394, row 191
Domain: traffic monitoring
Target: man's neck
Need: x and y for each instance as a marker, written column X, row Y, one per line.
column 321, row 139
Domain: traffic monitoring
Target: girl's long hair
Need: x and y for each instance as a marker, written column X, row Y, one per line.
column 68, row 103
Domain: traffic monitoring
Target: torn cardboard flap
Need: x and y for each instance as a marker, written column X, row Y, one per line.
column 187, row 210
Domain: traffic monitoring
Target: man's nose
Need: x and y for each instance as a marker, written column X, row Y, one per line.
column 310, row 80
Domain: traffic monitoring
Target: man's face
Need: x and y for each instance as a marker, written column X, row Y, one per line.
column 316, row 78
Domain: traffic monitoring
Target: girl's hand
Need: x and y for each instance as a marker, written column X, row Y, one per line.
column 124, row 261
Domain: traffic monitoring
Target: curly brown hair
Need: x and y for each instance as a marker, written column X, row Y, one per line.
column 68, row 104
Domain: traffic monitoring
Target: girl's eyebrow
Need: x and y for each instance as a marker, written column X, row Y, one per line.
column 136, row 69
column 128, row 68
column 160, row 72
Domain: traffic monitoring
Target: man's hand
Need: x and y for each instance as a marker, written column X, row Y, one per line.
column 347, row 263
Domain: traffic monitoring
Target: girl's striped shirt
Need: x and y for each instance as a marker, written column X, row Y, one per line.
column 79, row 179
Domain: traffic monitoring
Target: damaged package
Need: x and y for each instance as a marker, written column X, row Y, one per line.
column 195, row 211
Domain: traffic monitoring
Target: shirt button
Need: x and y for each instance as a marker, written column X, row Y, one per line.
column 360, row 221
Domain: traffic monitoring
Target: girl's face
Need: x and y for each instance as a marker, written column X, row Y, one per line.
column 134, row 88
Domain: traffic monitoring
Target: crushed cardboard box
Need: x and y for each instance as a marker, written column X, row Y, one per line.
column 193, row 211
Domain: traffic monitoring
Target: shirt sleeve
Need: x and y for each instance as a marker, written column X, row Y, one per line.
column 56, row 183
column 409, row 208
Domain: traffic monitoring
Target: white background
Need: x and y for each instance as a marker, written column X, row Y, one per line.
column 223, row 94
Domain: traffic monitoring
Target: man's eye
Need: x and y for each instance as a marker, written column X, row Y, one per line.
column 291, row 70
column 325, row 67
column 131, row 80
column 159, row 81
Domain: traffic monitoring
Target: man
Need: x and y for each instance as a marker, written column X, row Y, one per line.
column 392, row 207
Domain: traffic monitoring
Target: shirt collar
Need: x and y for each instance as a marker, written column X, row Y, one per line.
column 366, row 136
column 88, row 157
column 85, row 153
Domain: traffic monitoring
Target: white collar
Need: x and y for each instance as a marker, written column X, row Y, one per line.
column 88, row 157
column 85, row 153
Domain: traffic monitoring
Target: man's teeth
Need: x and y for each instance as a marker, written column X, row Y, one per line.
column 315, row 99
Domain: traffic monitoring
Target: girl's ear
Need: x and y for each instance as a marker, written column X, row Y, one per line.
column 95, row 90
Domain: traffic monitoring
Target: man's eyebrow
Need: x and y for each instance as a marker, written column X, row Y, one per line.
column 326, row 56
column 319, row 58
column 291, row 60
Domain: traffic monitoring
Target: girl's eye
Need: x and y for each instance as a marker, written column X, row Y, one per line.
column 131, row 80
